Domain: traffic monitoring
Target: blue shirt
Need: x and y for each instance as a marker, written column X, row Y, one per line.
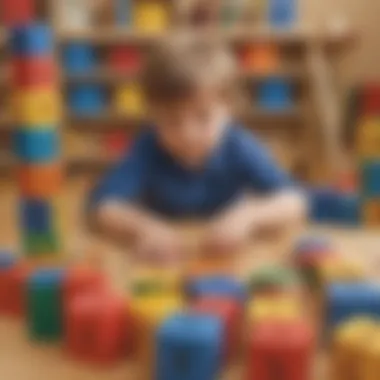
column 148, row 175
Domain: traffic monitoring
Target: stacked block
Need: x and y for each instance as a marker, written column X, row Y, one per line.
column 282, row 13
column 36, row 107
column 17, row 12
column 151, row 16
column 126, row 59
column 7, row 262
column 79, row 58
column 275, row 93
column 87, row 99
column 97, row 328
column 189, row 347
column 260, row 58
column 129, row 100
column 45, row 304
column 281, row 350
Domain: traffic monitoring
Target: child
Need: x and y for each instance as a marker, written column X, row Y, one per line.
column 194, row 161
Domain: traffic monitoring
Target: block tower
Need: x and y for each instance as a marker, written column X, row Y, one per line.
column 36, row 109
column 368, row 148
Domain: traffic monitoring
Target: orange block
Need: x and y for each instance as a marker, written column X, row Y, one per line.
column 261, row 58
column 40, row 181
column 210, row 266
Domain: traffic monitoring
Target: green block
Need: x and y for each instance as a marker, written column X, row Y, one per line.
column 273, row 278
column 44, row 305
column 36, row 244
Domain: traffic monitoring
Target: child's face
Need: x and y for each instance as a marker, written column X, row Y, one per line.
column 191, row 128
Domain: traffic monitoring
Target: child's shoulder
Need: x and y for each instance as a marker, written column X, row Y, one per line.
column 240, row 137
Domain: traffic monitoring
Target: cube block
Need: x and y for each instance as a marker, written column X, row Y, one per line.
column 275, row 93
column 79, row 58
column 41, row 243
column 45, row 304
column 129, row 100
column 87, row 99
column 281, row 350
column 189, row 347
column 370, row 178
column 368, row 138
column 40, row 180
column 97, row 326
column 282, row 13
column 151, row 17
column 17, row 12
column 125, row 59
column 36, row 146
column 260, row 58
column 7, row 262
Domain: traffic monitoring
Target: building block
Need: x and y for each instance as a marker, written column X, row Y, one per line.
column 349, row 344
column 368, row 137
column 280, row 308
column 344, row 301
column 17, row 12
column 189, row 347
column 126, row 59
column 129, row 100
column 230, row 313
column 123, row 12
column 281, row 350
column 7, row 259
column 33, row 72
column 209, row 266
column 7, row 262
column 37, row 106
column 148, row 314
column 36, row 146
column 31, row 40
column 275, row 93
column 282, row 13
column 36, row 215
column 370, row 178
column 371, row 100
column 151, row 16
column 371, row 212
column 40, row 180
column 37, row 244
column 97, row 328
column 80, row 280
column 216, row 286
column 116, row 143
column 260, row 58
column 44, row 304
column 79, row 58
column 150, row 281
column 87, row 99
column 272, row 279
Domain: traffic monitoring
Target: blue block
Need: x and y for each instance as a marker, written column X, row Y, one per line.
column 36, row 215
column 219, row 286
column 79, row 58
column 275, row 93
column 345, row 301
column 7, row 260
column 370, row 179
column 47, row 277
column 282, row 13
column 36, row 146
column 123, row 12
column 189, row 347
column 87, row 100
column 32, row 40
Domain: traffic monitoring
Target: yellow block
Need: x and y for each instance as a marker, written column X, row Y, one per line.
column 274, row 308
column 368, row 137
column 370, row 368
column 149, row 313
column 129, row 100
column 339, row 269
column 349, row 342
column 371, row 213
column 39, row 107
column 151, row 16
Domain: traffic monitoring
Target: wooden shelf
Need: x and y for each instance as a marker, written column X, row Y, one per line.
column 82, row 165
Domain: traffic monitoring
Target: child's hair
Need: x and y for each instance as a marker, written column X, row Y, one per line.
column 176, row 68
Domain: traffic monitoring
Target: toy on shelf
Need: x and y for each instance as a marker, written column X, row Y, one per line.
column 281, row 350
column 129, row 100
column 116, row 144
column 189, row 346
column 368, row 137
column 97, row 328
column 282, row 13
column 260, row 58
column 17, row 12
column 123, row 11
column 79, row 58
column 75, row 14
column 45, row 304
column 87, row 100
column 7, row 262
column 275, row 93
column 151, row 16
column 370, row 104
column 125, row 59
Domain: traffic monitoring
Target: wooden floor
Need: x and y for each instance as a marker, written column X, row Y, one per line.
column 21, row 360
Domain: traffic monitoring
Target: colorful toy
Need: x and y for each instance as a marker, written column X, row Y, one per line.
column 17, row 12
column 344, row 301
column 282, row 13
column 189, row 346
column 349, row 343
column 368, row 137
column 126, row 59
column 280, row 350
column 371, row 100
column 97, row 328
column 45, row 304
column 217, row 286
column 370, row 178
column 7, row 262
column 129, row 100
column 87, row 100
column 275, row 93
column 123, row 10
column 209, row 266
column 151, row 16
column 260, row 58
column 79, row 58
column 231, row 314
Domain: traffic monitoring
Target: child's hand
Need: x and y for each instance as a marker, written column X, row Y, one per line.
column 158, row 242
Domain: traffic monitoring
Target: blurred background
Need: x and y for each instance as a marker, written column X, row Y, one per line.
column 310, row 69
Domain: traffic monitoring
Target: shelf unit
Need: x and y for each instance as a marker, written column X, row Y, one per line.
column 307, row 125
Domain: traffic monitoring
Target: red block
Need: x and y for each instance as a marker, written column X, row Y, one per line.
column 97, row 328
column 125, row 59
column 281, row 351
column 33, row 72
column 13, row 290
column 231, row 313
column 82, row 280
column 15, row 12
